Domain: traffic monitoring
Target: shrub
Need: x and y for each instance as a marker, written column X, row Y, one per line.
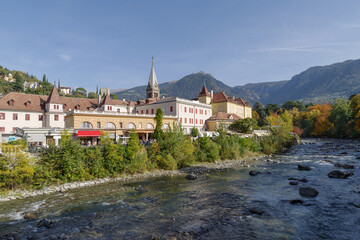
column 206, row 150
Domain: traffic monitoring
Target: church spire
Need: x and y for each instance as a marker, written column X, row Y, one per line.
column 152, row 90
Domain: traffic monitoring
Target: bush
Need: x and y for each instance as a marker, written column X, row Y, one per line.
column 206, row 150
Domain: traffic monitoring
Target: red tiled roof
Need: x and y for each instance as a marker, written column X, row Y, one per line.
column 222, row 97
column 37, row 102
column 54, row 96
column 109, row 101
column 225, row 116
column 204, row 92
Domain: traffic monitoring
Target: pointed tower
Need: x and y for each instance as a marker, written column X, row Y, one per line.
column 54, row 114
column 205, row 96
column 152, row 89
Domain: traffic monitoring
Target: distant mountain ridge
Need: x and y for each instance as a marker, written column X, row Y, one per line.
column 316, row 84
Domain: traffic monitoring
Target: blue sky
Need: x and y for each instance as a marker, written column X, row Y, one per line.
column 110, row 43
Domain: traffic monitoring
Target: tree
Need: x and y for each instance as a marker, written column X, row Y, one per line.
column 113, row 96
column 59, row 85
column 19, row 82
column 194, row 132
column 244, row 125
column 158, row 132
column 272, row 108
column 44, row 78
column 80, row 92
column 340, row 116
column 288, row 105
column 92, row 95
column 97, row 91
column 258, row 107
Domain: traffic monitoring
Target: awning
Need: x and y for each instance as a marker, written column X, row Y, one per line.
column 82, row 133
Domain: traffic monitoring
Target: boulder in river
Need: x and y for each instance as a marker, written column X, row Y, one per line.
column 345, row 166
column 29, row 215
column 308, row 192
column 253, row 173
column 191, row 176
column 296, row 201
column 293, row 183
column 339, row 174
column 47, row 223
column 255, row 211
column 302, row 180
column 304, row 167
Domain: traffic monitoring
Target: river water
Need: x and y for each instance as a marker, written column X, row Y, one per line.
column 228, row 204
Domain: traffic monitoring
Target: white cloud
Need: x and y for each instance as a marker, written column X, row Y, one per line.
column 65, row 57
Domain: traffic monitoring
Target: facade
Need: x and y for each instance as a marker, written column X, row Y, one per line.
column 65, row 90
column 221, row 118
column 189, row 113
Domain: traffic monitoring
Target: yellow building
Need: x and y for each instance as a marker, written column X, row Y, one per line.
column 225, row 109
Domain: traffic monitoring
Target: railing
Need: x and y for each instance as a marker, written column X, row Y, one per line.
column 119, row 114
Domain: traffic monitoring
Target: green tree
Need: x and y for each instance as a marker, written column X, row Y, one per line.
column 288, row 105
column 259, row 108
column 44, row 78
column 158, row 132
column 113, row 96
column 340, row 115
column 244, row 125
column 194, row 132
column 92, row 95
column 19, row 82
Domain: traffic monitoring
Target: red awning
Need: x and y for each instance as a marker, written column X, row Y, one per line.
column 88, row 133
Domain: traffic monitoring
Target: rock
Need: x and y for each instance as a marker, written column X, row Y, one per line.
column 291, row 178
column 327, row 160
column 348, row 166
column 253, row 173
column 45, row 223
column 302, row 180
column 355, row 205
column 304, row 167
column 339, row 174
column 29, row 216
column 358, row 157
column 293, row 183
column 343, row 153
column 308, row 192
column 296, row 201
column 191, row 176
column 255, row 211
column 338, row 165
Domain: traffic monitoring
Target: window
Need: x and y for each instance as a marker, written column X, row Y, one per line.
column 11, row 102
column 109, row 108
column 147, row 111
column 64, row 105
column 40, row 117
column 130, row 126
column 171, row 109
column 27, row 117
column 137, row 111
column 184, row 109
column 77, row 107
column 2, row 116
column 180, row 120
column 2, row 129
column 165, row 126
column 120, row 125
column 15, row 116
column 149, row 126
column 185, row 120
column 110, row 125
column 195, row 121
column 140, row 125
column 56, row 117
column 196, row 111
column 98, row 125
column 27, row 103
column 54, row 106
column 86, row 125
column 205, row 112
column 152, row 111
column 142, row 111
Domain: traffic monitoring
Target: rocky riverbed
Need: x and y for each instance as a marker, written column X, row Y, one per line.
column 273, row 198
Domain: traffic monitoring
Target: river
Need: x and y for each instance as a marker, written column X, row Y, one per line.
column 228, row 204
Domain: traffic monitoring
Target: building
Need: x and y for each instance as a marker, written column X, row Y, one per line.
column 152, row 89
column 65, row 90
column 226, row 110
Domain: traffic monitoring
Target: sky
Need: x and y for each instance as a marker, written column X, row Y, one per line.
column 87, row 43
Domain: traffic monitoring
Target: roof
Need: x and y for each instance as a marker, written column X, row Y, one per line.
column 37, row 101
column 204, row 92
column 54, row 96
column 225, row 116
column 153, row 83
column 222, row 97
column 109, row 101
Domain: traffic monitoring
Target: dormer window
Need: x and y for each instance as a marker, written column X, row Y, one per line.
column 64, row 106
column 11, row 102
column 77, row 107
column 27, row 103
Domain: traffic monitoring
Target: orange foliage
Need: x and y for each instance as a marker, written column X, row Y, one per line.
column 322, row 125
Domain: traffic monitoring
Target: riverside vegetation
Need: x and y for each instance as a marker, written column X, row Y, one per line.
column 172, row 150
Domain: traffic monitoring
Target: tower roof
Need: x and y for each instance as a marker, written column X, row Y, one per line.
column 204, row 92
column 153, row 83
column 54, row 96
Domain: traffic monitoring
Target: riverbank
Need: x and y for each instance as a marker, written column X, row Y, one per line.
column 196, row 169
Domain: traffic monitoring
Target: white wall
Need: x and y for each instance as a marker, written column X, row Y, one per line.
column 9, row 123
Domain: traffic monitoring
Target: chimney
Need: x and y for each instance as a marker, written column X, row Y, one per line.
column 99, row 99
column 212, row 94
column 233, row 98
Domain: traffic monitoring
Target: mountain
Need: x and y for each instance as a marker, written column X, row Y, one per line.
column 188, row 87
column 316, row 84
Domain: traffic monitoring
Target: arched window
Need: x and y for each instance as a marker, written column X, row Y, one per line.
column 165, row 126
column 110, row 125
column 86, row 125
column 131, row 126
column 149, row 126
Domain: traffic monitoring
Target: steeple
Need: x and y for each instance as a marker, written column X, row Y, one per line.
column 152, row 90
column 54, row 96
column 204, row 92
